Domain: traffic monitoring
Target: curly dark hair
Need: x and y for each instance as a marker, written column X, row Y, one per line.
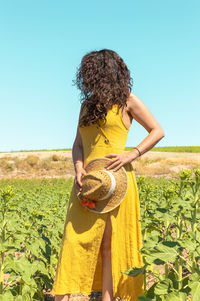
column 104, row 80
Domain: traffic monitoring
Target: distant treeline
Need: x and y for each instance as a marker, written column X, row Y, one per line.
column 182, row 149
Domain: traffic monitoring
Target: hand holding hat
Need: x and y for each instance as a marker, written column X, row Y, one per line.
column 102, row 190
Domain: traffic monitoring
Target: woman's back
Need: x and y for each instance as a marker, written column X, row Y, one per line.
column 106, row 137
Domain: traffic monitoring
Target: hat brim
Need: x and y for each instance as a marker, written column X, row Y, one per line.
column 120, row 190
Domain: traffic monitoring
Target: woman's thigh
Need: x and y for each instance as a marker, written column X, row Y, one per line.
column 106, row 240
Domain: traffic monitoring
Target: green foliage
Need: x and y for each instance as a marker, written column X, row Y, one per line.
column 32, row 218
column 170, row 220
column 185, row 149
column 182, row 149
column 32, row 215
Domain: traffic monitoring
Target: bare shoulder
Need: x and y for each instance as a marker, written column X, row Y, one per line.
column 139, row 111
column 133, row 103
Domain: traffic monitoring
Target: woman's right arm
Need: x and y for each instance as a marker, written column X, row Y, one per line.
column 77, row 156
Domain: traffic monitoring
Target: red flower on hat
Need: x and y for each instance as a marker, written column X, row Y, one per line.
column 88, row 203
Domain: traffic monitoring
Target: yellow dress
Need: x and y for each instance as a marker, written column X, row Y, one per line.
column 79, row 267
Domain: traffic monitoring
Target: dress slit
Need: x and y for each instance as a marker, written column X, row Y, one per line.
column 98, row 274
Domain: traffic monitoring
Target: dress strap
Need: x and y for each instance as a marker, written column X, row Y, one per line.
column 102, row 131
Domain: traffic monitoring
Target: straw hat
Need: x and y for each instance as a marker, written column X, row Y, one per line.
column 102, row 190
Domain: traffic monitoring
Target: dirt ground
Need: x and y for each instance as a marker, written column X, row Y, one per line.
column 68, row 154
column 51, row 164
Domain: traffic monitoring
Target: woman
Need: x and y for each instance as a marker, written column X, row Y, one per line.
column 98, row 248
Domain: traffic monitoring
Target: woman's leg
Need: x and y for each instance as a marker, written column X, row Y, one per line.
column 62, row 297
column 107, row 288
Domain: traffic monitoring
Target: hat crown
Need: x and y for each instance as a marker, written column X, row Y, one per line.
column 96, row 185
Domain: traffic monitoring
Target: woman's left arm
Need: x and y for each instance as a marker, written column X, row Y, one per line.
column 139, row 111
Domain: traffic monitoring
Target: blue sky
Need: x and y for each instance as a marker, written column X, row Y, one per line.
column 42, row 43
